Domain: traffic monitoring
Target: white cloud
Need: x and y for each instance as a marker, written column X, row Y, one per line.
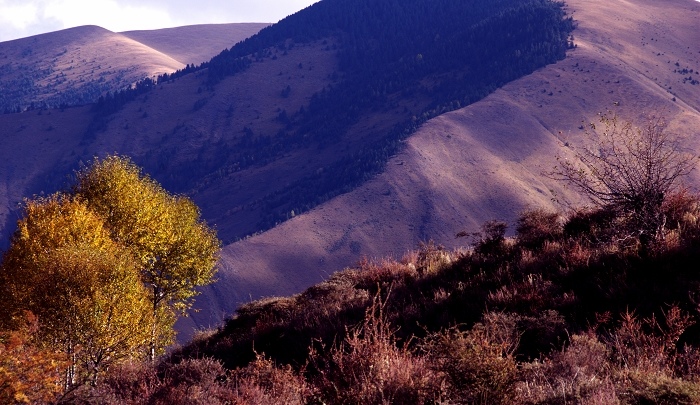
column 107, row 14
column 21, row 18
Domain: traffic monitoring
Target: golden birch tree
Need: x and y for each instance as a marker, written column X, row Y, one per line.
column 84, row 288
column 175, row 249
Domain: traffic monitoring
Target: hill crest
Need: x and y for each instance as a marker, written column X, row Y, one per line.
column 76, row 65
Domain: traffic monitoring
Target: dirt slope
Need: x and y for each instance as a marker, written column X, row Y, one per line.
column 484, row 161
column 195, row 44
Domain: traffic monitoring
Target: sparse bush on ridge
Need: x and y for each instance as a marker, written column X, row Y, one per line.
column 630, row 172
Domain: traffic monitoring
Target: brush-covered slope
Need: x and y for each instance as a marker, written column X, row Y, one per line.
column 487, row 161
column 570, row 310
column 194, row 44
column 77, row 65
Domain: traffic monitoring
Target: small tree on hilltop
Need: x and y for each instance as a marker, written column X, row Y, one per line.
column 631, row 171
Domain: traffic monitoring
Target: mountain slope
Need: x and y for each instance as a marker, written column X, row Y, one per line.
column 74, row 66
column 254, row 138
column 274, row 126
column 77, row 65
column 485, row 161
column 194, row 44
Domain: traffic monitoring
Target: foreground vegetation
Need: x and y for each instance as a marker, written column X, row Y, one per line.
column 567, row 311
column 95, row 277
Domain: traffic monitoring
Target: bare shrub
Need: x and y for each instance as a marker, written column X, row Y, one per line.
column 262, row 383
column 660, row 389
column 194, row 382
column 580, row 373
column 431, row 258
column 631, row 171
column 385, row 272
column 593, row 225
column 682, row 210
column 541, row 332
column 129, row 383
column 646, row 345
column 535, row 227
column 491, row 238
column 528, row 295
column 688, row 363
column 578, row 254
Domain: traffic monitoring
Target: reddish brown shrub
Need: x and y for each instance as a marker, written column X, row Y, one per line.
column 535, row 227
column 579, row 374
column 261, row 383
column 658, row 388
column 680, row 208
column 194, row 382
column 127, row 383
column 594, row 225
column 648, row 346
column 431, row 258
column 491, row 238
column 28, row 373
column 369, row 368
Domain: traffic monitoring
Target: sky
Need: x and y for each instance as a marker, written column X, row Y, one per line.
column 23, row 18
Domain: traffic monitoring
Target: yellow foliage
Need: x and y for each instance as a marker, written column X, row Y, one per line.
column 176, row 250
column 84, row 288
column 107, row 268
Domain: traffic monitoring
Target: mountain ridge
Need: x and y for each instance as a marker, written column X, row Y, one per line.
column 76, row 65
column 542, row 112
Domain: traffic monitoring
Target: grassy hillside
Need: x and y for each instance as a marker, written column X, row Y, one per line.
column 73, row 66
column 194, row 44
column 78, row 65
column 399, row 65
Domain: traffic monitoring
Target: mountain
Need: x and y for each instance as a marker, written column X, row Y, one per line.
column 334, row 108
column 298, row 113
column 194, row 44
column 486, row 161
column 77, row 65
